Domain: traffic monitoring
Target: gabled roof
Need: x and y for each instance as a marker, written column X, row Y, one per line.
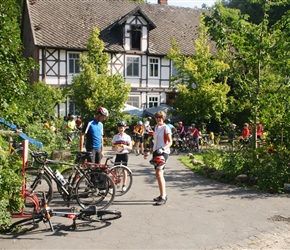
column 69, row 23
column 136, row 11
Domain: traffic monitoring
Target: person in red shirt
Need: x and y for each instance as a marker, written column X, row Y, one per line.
column 194, row 136
column 246, row 132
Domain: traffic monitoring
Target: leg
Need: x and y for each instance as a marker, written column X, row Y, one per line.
column 159, row 173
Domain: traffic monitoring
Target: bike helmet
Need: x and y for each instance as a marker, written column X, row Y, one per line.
column 193, row 125
column 149, row 118
column 121, row 124
column 140, row 123
column 168, row 120
column 180, row 122
column 103, row 111
column 233, row 125
column 159, row 161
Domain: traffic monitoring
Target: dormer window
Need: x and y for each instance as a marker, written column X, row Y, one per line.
column 136, row 32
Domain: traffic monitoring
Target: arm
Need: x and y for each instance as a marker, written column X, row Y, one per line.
column 82, row 139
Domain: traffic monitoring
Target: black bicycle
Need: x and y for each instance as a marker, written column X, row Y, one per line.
column 90, row 214
column 88, row 187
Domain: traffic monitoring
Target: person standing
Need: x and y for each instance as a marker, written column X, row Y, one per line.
column 168, row 123
column 148, row 132
column 122, row 143
column 79, row 123
column 94, row 132
column 246, row 132
column 71, row 127
column 232, row 135
column 161, row 150
column 138, row 131
column 260, row 131
column 194, row 136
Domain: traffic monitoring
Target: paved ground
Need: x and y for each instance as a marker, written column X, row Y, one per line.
column 199, row 214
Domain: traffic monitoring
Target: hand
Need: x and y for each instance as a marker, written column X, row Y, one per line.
column 160, row 151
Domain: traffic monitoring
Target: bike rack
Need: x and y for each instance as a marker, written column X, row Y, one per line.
column 25, row 193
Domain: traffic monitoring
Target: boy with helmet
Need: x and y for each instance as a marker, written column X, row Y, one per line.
column 161, row 150
column 122, row 143
column 138, row 131
column 94, row 132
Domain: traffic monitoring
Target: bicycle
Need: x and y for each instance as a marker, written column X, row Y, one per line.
column 119, row 174
column 87, row 187
column 86, row 214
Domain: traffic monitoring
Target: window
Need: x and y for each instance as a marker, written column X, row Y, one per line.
column 153, row 101
column 132, row 66
column 135, row 37
column 74, row 67
column 174, row 71
column 153, row 67
column 133, row 101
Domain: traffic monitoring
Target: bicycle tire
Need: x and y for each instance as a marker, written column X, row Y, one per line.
column 106, row 215
column 118, row 179
column 40, row 185
column 27, row 221
column 95, row 188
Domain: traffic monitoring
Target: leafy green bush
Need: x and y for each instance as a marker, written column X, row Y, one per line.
column 10, row 186
column 266, row 170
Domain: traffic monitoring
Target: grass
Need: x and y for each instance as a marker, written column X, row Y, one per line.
column 188, row 162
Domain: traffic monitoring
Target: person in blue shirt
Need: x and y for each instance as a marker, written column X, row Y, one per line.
column 94, row 132
column 168, row 123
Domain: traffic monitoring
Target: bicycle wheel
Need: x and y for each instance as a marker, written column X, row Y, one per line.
column 32, row 221
column 69, row 175
column 38, row 185
column 106, row 215
column 95, row 188
column 122, row 178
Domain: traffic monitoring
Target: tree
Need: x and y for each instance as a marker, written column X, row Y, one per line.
column 255, row 10
column 200, row 96
column 258, row 58
column 14, row 68
column 94, row 86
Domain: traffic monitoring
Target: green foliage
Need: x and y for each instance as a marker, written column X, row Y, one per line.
column 265, row 170
column 200, row 96
column 14, row 69
column 42, row 101
column 10, row 186
column 94, row 86
column 258, row 62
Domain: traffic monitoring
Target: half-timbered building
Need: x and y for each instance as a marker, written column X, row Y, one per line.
column 136, row 36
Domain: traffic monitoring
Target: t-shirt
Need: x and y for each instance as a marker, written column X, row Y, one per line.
column 94, row 133
column 170, row 126
column 160, row 137
column 119, row 140
column 139, row 129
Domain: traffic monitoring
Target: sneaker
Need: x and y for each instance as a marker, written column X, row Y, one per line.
column 161, row 202
column 159, row 198
column 124, row 188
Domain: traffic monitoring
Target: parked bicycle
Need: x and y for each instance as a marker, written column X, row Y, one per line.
column 121, row 175
column 89, row 214
column 87, row 187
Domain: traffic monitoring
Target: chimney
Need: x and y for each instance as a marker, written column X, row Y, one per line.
column 162, row 1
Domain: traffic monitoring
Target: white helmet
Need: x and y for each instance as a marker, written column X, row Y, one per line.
column 103, row 111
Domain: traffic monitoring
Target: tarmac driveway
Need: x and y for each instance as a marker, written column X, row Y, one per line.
column 199, row 214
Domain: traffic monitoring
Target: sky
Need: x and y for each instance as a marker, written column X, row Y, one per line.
column 187, row 3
